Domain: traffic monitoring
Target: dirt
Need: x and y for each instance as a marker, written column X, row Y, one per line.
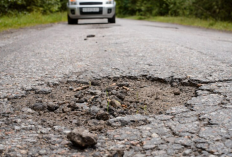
column 92, row 103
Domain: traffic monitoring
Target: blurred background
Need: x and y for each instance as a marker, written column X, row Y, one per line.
column 215, row 9
column 210, row 11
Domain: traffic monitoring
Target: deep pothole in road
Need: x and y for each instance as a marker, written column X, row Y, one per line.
column 92, row 103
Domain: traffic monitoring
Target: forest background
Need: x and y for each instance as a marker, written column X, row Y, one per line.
column 214, row 9
column 213, row 14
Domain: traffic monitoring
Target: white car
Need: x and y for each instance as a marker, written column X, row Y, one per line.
column 91, row 9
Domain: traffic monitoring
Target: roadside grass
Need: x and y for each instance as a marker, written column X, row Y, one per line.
column 210, row 24
column 32, row 19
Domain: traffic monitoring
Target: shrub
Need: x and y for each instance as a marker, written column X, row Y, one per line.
column 216, row 9
column 42, row 6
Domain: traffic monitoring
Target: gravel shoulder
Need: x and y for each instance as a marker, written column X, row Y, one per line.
column 41, row 59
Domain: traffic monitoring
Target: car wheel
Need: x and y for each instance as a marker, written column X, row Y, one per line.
column 72, row 21
column 112, row 20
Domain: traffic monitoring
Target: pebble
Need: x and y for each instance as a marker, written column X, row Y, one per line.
column 115, row 103
column 39, row 107
column 94, row 110
column 95, row 92
column 2, row 148
column 43, row 152
column 27, row 110
column 102, row 116
column 23, row 152
column 187, row 152
column 82, row 137
column 52, row 106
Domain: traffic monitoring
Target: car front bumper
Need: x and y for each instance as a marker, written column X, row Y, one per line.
column 105, row 11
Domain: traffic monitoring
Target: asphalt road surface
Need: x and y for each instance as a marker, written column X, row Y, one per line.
column 37, row 56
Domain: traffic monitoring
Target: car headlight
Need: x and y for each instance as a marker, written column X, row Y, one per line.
column 73, row 2
column 109, row 2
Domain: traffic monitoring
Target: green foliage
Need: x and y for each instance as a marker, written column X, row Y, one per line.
column 216, row 9
column 63, row 5
column 25, row 6
column 205, row 9
column 179, row 7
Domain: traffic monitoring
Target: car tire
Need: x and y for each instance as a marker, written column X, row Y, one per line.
column 112, row 20
column 72, row 21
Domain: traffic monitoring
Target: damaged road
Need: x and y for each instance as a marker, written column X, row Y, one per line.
column 134, row 89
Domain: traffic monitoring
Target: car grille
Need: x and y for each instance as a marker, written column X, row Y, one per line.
column 90, row 3
column 91, row 13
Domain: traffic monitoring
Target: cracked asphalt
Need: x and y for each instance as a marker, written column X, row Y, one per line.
column 40, row 56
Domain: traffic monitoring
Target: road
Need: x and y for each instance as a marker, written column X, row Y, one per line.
column 38, row 55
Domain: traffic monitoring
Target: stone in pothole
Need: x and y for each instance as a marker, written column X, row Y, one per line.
column 39, row 107
column 82, row 137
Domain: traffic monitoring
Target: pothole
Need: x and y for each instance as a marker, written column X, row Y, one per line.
column 92, row 103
